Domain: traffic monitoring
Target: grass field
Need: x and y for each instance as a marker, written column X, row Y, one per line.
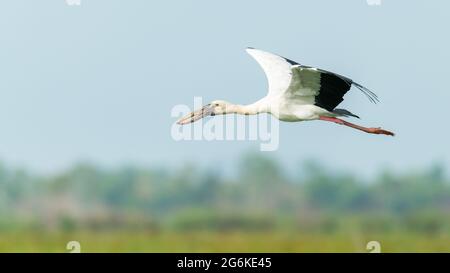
column 220, row 242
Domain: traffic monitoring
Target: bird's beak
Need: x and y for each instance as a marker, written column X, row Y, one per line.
column 205, row 111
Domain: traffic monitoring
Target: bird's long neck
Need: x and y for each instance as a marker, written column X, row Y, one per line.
column 249, row 109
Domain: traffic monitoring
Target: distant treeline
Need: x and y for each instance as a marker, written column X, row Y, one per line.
column 259, row 197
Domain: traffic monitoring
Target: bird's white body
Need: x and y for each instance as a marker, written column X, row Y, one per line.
column 301, row 113
column 285, row 109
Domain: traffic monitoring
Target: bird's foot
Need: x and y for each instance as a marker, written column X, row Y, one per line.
column 379, row 131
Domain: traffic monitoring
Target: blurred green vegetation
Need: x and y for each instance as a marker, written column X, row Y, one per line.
column 259, row 209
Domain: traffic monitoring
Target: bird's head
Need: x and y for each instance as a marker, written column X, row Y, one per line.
column 221, row 107
column 216, row 107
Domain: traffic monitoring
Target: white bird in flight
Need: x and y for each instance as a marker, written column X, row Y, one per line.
column 296, row 93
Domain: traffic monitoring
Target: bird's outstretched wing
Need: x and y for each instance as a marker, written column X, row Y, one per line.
column 278, row 70
column 305, row 84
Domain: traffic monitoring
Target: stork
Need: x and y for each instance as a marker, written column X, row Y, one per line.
column 296, row 93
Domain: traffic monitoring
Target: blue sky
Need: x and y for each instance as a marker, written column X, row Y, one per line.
column 97, row 81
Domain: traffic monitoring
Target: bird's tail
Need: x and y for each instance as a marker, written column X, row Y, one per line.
column 344, row 113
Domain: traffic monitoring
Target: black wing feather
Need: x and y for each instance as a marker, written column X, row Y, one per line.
column 333, row 88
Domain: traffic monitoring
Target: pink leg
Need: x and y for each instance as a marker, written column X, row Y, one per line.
column 364, row 129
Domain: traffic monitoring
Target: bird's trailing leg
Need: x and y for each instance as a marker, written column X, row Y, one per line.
column 364, row 129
